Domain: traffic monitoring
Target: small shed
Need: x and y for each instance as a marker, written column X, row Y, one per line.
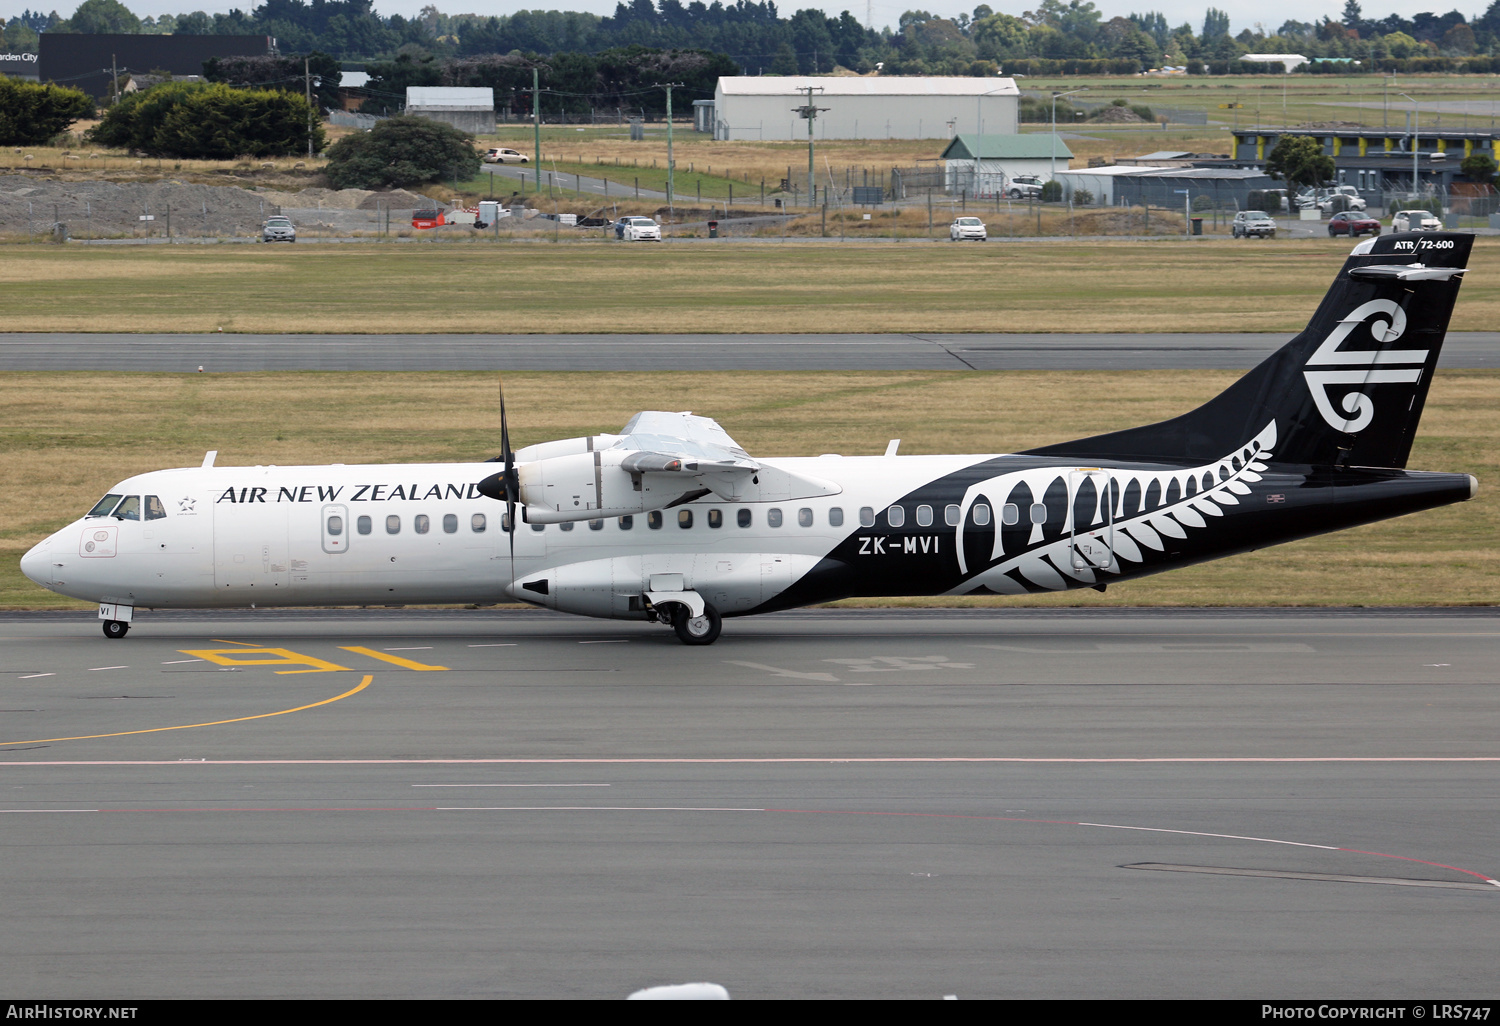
column 1227, row 188
column 469, row 109
column 703, row 116
column 1098, row 182
column 982, row 165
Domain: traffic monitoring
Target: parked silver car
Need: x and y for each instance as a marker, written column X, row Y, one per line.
column 278, row 229
column 1253, row 222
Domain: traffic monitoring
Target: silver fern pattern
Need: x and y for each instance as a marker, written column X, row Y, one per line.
column 1143, row 507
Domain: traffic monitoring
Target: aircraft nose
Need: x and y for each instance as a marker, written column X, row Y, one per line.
column 35, row 564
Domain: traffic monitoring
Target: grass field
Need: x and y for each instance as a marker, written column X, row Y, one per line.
column 69, row 437
column 1160, row 286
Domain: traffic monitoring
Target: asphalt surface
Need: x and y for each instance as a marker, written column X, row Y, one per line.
column 1090, row 803
column 219, row 352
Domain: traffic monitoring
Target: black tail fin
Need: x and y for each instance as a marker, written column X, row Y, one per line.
column 1349, row 390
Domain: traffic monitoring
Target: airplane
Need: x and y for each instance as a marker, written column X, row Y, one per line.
column 671, row 521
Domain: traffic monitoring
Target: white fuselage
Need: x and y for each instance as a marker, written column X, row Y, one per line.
column 422, row 533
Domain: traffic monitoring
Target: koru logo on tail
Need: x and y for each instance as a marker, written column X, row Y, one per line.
column 1362, row 367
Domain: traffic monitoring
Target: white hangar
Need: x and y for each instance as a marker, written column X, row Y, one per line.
column 896, row 107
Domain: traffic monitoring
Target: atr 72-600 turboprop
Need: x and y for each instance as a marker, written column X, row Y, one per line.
column 671, row 521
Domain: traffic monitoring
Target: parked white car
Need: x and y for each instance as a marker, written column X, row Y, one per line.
column 1415, row 221
column 640, row 229
column 1253, row 222
column 502, row 155
column 967, row 228
column 1323, row 198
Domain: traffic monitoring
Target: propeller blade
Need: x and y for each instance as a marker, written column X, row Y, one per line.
column 512, row 483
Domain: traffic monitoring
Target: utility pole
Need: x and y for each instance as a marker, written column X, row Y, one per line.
column 671, row 164
column 536, row 124
column 307, row 88
column 114, row 80
column 1053, row 173
column 810, row 112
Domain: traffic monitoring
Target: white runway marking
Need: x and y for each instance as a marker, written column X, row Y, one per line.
column 93, row 668
column 510, row 785
column 502, row 644
column 31, row 675
column 174, row 662
column 777, row 671
column 412, row 648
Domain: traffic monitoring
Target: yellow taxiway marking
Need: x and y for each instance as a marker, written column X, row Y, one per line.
column 364, row 683
column 410, row 664
column 282, row 657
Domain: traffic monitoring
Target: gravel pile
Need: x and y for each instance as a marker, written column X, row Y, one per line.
column 101, row 209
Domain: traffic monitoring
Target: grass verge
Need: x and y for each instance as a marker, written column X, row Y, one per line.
column 70, row 436
column 1161, row 286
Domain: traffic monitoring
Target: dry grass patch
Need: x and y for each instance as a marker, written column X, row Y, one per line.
column 69, row 437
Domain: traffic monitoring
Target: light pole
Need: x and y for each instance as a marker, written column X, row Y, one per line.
column 979, row 121
column 1416, row 127
column 1070, row 92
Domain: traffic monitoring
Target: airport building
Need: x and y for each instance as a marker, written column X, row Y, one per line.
column 92, row 61
column 469, row 109
column 1382, row 163
column 982, row 165
column 759, row 107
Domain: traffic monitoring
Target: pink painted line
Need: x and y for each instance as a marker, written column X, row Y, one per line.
column 830, row 759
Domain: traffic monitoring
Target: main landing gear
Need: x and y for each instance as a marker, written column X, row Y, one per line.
column 696, row 630
column 115, row 628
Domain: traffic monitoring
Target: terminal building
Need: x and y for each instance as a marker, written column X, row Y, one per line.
column 1382, row 163
column 759, row 107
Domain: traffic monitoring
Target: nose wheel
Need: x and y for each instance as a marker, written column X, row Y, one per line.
column 116, row 628
column 697, row 630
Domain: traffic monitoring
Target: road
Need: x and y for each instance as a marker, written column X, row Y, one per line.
column 1089, row 803
column 20, row 351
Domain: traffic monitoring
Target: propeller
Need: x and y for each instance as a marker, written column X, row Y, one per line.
column 512, row 482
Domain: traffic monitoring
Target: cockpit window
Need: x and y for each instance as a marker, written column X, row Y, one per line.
column 130, row 509
column 154, row 509
column 104, row 505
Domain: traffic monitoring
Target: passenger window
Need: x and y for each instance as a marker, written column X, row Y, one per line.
column 950, row 515
column 627, row 522
column 421, row 524
column 130, row 509
column 450, row 523
column 743, row 518
column 392, row 524
column 154, row 509
column 363, row 525
column 895, row 516
column 477, row 523
column 716, row 518
column 596, row 525
column 335, row 526
column 1010, row 514
column 773, row 518
column 804, row 517
column 1038, row 512
column 566, row 525
column 653, row 520
column 924, row 516
column 684, row 518
column 866, row 516
column 981, row 514
column 103, row 507
column 836, row 517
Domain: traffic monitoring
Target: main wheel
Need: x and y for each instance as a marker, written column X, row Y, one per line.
column 697, row 630
column 116, row 628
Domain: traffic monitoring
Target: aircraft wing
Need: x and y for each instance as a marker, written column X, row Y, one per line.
column 666, row 443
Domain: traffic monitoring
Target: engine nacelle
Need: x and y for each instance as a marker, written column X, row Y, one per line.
column 594, row 485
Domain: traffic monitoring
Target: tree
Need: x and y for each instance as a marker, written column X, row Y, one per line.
column 209, row 121
column 1479, row 167
column 1299, row 160
column 101, row 16
column 401, row 151
column 31, row 114
column 1215, row 24
column 785, row 61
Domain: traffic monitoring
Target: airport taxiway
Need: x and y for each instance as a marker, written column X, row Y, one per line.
column 32, row 351
column 1020, row 803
